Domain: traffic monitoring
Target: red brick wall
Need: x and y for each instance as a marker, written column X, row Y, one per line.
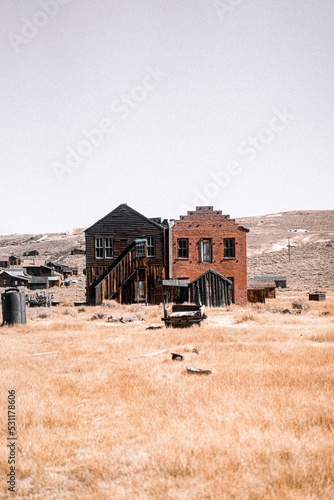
column 206, row 223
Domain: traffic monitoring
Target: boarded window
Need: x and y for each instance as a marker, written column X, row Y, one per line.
column 229, row 248
column 109, row 248
column 206, row 250
column 99, row 248
column 150, row 246
column 182, row 248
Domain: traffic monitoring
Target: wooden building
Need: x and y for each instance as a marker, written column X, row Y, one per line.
column 260, row 290
column 14, row 278
column 4, row 262
column 14, row 260
column 31, row 253
column 44, row 282
column 41, row 271
column 211, row 289
column 126, row 256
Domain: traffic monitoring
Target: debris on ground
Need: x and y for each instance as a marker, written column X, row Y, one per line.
column 177, row 357
column 154, row 327
column 199, row 371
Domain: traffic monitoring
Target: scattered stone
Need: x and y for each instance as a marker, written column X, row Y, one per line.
column 199, row 371
column 177, row 357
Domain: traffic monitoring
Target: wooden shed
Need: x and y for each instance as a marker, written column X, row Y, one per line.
column 211, row 289
column 317, row 296
column 260, row 290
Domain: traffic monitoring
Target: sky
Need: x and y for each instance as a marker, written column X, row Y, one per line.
column 164, row 105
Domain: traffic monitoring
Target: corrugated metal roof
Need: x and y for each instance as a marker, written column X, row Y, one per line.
column 16, row 275
column 175, row 282
column 258, row 284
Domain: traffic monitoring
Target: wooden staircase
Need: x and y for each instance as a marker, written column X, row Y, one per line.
column 121, row 276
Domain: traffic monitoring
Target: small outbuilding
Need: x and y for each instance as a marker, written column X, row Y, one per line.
column 211, row 289
column 260, row 290
column 14, row 277
column 317, row 296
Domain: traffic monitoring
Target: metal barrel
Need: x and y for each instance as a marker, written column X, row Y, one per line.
column 13, row 307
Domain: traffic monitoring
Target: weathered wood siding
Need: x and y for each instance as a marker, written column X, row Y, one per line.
column 124, row 225
column 211, row 289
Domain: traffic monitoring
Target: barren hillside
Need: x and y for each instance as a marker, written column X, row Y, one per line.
column 311, row 236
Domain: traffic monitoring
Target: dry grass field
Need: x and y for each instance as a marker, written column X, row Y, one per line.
column 98, row 418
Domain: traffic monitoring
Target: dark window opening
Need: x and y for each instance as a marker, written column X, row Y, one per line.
column 206, row 250
column 182, row 248
column 99, row 248
column 150, row 246
column 229, row 248
column 108, row 248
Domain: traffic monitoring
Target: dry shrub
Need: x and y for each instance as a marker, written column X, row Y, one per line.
column 300, row 304
column 70, row 312
column 111, row 304
column 68, row 303
column 97, row 315
column 245, row 318
column 323, row 337
column 44, row 314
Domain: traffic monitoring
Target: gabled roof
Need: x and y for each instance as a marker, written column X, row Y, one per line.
column 212, row 271
column 253, row 284
column 16, row 274
column 124, row 207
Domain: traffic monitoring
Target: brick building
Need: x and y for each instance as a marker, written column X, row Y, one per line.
column 206, row 239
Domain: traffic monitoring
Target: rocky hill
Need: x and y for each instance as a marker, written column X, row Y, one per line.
column 54, row 247
column 310, row 234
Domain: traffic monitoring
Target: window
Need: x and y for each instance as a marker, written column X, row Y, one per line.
column 140, row 249
column 99, row 248
column 182, row 248
column 108, row 248
column 150, row 246
column 206, row 250
column 4, row 282
column 229, row 248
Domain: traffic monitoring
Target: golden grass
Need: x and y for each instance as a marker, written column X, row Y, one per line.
column 99, row 419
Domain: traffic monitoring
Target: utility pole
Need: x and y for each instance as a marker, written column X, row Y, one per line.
column 289, row 249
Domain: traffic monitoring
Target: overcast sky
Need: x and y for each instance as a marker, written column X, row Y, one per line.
column 163, row 105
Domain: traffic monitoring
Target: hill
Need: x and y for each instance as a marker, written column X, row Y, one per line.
column 311, row 236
